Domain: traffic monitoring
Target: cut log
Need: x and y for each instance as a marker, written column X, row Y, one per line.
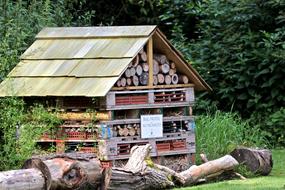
column 155, row 80
column 143, row 78
column 135, row 61
column 31, row 179
column 172, row 65
column 183, row 79
column 128, row 73
column 143, row 56
column 162, row 59
column 164, row 68
column 136, row 169
column 160, row 78
column 258, row 161
column 172, row 72
column 123, row 131
column 123, row 82
column 135, row 80
column 145, row 67
column 129, row 81
column 139, row 70
column 132, row 71
column 132, row 130
column 118, row 83
column 174, row 79
column 194, row 173
column 155, row 67
column 69, row 171
column 167, row 79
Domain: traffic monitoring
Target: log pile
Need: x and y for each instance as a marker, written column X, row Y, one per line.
column 164, row 72
column 85, row 171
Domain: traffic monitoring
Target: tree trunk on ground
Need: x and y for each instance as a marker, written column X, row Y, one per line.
column 258, row 161
column 140, row 173
column 31, row 179
column 68, row 171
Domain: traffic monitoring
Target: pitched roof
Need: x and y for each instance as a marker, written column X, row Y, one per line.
column 78, row 61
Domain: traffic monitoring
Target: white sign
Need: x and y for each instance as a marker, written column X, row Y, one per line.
column 151, row 126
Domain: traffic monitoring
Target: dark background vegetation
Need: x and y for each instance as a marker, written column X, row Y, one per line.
column 238, row 46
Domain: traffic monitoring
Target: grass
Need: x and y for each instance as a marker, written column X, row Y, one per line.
column 276, row 179
column 219, row 133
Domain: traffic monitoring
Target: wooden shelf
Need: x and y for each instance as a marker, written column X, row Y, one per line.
column 155, row 105
column 56, row 140
column 153, row 87
column 165, row 119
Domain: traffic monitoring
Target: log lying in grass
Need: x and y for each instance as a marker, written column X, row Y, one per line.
column 258, row 161
column 141, row 173
column 82, row 171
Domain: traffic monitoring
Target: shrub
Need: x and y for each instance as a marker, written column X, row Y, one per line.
column 20, row 130
column 273, row 126
column 219, row 133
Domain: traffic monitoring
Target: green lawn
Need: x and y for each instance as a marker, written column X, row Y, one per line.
column 276, row 179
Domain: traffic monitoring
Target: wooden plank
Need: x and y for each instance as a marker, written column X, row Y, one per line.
column 165, row 119
column 150, row 61
column 152, row 90
column 163, row 46
column 156, row 105
column 153, row 87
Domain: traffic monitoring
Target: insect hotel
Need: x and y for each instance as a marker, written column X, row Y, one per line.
column 114, row 87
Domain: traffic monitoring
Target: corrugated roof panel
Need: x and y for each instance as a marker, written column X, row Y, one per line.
column 44, row 68
column 100, row 67
column 84, row 48
column 56, row 86
column 77, row 68
column 93, row 32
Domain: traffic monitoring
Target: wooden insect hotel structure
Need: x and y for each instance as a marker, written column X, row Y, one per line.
column 114, row 87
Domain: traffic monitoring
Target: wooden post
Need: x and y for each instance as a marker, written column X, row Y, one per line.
column 150, row 61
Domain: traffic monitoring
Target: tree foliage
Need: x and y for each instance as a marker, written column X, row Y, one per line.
column 241, row 53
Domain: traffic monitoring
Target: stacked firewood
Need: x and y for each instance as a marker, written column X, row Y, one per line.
column 164, row 72
column 126, row 130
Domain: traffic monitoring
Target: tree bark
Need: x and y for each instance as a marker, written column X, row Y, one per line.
column 68, row 171
column 31, row 179
column 258, row 161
